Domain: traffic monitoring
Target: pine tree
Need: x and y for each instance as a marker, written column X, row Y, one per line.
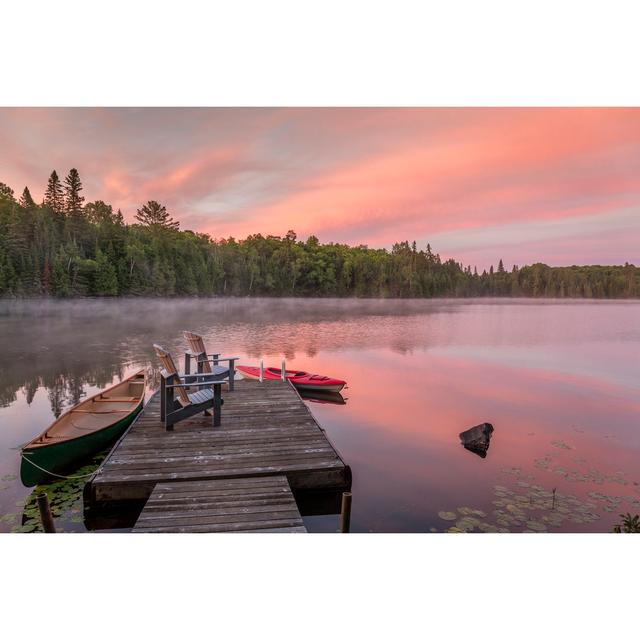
column 60, row 281
column 54, row 195
column 73, row 206
column 155, row 215
column 26, row 201
column 46, row 276
column 73, row 199
column 500, row 266
column 6, row 192
column 105, row 280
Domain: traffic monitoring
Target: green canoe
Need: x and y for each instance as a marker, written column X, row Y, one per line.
column 82, row 431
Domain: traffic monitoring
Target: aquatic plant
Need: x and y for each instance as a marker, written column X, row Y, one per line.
column 629, row 524
column 65, row 500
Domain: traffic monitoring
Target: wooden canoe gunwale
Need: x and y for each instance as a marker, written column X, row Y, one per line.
column 64, row 441
column 42, row 461
column 69, row 411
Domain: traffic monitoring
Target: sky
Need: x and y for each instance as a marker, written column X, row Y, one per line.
column 553, row 185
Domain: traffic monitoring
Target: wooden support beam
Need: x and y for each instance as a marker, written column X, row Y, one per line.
column 45, row 513
column 345, row 512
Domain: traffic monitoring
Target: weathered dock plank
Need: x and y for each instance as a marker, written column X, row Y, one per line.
column 240, row 505
column 266, row 430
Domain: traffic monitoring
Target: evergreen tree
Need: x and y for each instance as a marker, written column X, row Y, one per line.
column 72, row 198
column 26, row 201
column 155, row 215
column 6, row 192
column 60, row 280
column 75, row 224
column 46, row 277
column 94, row 252
column 54, row 195
column 106, row 280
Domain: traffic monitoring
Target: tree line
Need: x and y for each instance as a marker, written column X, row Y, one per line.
column 64, row 247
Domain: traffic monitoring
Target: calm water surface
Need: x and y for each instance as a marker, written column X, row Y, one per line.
column 558, row 381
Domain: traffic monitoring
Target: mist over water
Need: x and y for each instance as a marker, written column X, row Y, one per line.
column 419, row 372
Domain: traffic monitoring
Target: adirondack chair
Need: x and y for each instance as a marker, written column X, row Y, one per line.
column 177, row 402
column 204, row 363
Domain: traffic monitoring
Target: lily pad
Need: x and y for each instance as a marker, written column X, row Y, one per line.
column 447, row 515
column 464, row 525
column 560, row 444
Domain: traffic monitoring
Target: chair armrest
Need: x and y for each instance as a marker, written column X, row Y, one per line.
column 225, row 358
column 184, row 376
column 196, row 384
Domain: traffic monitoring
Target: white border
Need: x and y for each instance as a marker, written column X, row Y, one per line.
column 330, row 53
column 324, row 586
column 335, row 52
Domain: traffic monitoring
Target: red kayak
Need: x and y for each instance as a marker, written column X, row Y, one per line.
column 302, row 379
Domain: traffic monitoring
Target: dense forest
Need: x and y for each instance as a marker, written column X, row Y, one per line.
column 65, row 247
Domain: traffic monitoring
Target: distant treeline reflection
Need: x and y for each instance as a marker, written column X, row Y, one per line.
column 65, row 248
column 64, row 389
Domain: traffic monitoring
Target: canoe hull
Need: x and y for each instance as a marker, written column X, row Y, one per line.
column 60, row 457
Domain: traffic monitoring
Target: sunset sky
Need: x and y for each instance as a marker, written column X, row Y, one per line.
column 561, row 186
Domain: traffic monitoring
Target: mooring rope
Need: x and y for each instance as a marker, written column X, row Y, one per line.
column 57, row 475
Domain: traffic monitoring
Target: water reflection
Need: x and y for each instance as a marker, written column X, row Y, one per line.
column 419, row 374
column 322, row 397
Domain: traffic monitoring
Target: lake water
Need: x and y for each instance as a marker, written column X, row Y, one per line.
column 557, row 380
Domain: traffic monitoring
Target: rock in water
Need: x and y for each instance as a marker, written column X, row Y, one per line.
column 477, row 439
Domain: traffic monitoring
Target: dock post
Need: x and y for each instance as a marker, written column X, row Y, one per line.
column 217, row 405
column 282, row 374
column 45, row 513
column 345, row 512
column 261, row 370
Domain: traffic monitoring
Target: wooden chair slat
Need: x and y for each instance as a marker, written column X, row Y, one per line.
column 170, row 367
column 191, row 403
column 196, row 344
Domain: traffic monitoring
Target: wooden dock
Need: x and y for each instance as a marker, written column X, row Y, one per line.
column 266, row 430
column 240, row 505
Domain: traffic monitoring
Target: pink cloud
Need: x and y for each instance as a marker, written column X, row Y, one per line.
column 350, row 175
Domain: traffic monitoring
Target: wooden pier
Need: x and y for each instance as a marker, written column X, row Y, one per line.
column 266, row 430
column 240, row 505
